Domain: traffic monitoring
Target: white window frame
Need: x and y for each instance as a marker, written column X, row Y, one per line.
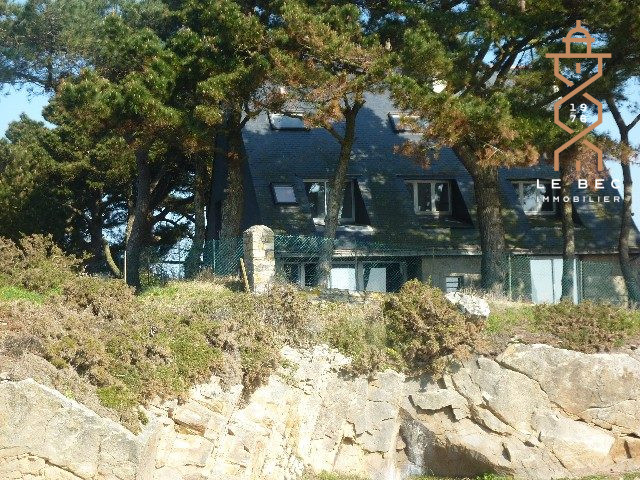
column 433, row 212
column 341, row 219
column 518, row 185
column 359, row 266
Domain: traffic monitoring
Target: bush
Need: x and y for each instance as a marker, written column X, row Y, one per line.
column 253, row 329
column 424, row 328
column 364, row 340
column 35, row 263
column 107, row 298
column 587, row 326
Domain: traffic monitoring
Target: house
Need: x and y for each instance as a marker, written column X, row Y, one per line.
column 403, row 220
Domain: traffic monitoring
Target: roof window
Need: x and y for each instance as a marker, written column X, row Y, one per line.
column 283, row 194
column 287, row 121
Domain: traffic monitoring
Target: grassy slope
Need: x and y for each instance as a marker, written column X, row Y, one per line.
column 131, row 348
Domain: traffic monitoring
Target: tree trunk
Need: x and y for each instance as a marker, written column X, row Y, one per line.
column 97, row 262
column 336, row 195
column 490, row 226
column 233, row 205
column 139, row 220
column 633, row 291
column 630, row 279
column 211, row 214
column 111, row 263
column 200, row 194
column 568, row 235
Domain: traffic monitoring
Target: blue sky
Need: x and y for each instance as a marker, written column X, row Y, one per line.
column 16, row 102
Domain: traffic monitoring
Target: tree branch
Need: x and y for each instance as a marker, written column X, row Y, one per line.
column 634, row 122
column 617, row 117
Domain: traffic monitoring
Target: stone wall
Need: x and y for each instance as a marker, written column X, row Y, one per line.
column 534, row 412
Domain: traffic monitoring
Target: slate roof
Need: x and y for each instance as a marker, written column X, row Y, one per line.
column 293, row 156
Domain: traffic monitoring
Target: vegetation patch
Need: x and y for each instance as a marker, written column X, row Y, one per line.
column 425, row 329
column 587, row 326
column 9, row 293
column 130, row 348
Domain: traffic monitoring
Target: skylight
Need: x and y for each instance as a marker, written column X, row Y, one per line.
column 287, row 121
column 405, row 123
column 283, row 194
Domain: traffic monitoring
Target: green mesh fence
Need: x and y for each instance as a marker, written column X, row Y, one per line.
column 223, row 256
column 365, row 265
column 356, row 265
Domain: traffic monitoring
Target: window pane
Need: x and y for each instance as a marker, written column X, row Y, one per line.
column 284, row 194
column 442, row 196
column 453, row 284
column 343, row 277
column 281, row 121
column 292, row 272
column 405, row 123
column 531, row 200
column 347, row 202
column 310, row 274
column 316, row 194
column 547, row 206
column 424, row 197
column 375, row 277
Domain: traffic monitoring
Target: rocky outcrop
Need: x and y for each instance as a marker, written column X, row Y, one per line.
column 469, row 304
column 534, row 412
column 45, row 435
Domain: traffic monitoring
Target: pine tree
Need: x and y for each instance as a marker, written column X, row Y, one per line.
column 328, row 62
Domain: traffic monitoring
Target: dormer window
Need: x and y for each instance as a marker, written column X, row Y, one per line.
column 402, row 123
column 430, row 197
column 535, row 196
column 287, row 121
column 283, row 194
column 317, row 193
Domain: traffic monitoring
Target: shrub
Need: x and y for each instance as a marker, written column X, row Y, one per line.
column 104, row 297
column 424, row 328
column 364, row 340
column 35, row 263
column 253, row 329
column 587, row 326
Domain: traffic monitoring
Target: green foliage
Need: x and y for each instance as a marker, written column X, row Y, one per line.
column 363, row 338
column 588, row 326
column 10, row 293
column 36, row 264
column 32, row 195
column 504, row 317
column 424, row 328
column 44, row 41
column 252, row 330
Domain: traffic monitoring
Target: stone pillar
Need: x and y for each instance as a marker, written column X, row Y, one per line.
column 259, row 257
